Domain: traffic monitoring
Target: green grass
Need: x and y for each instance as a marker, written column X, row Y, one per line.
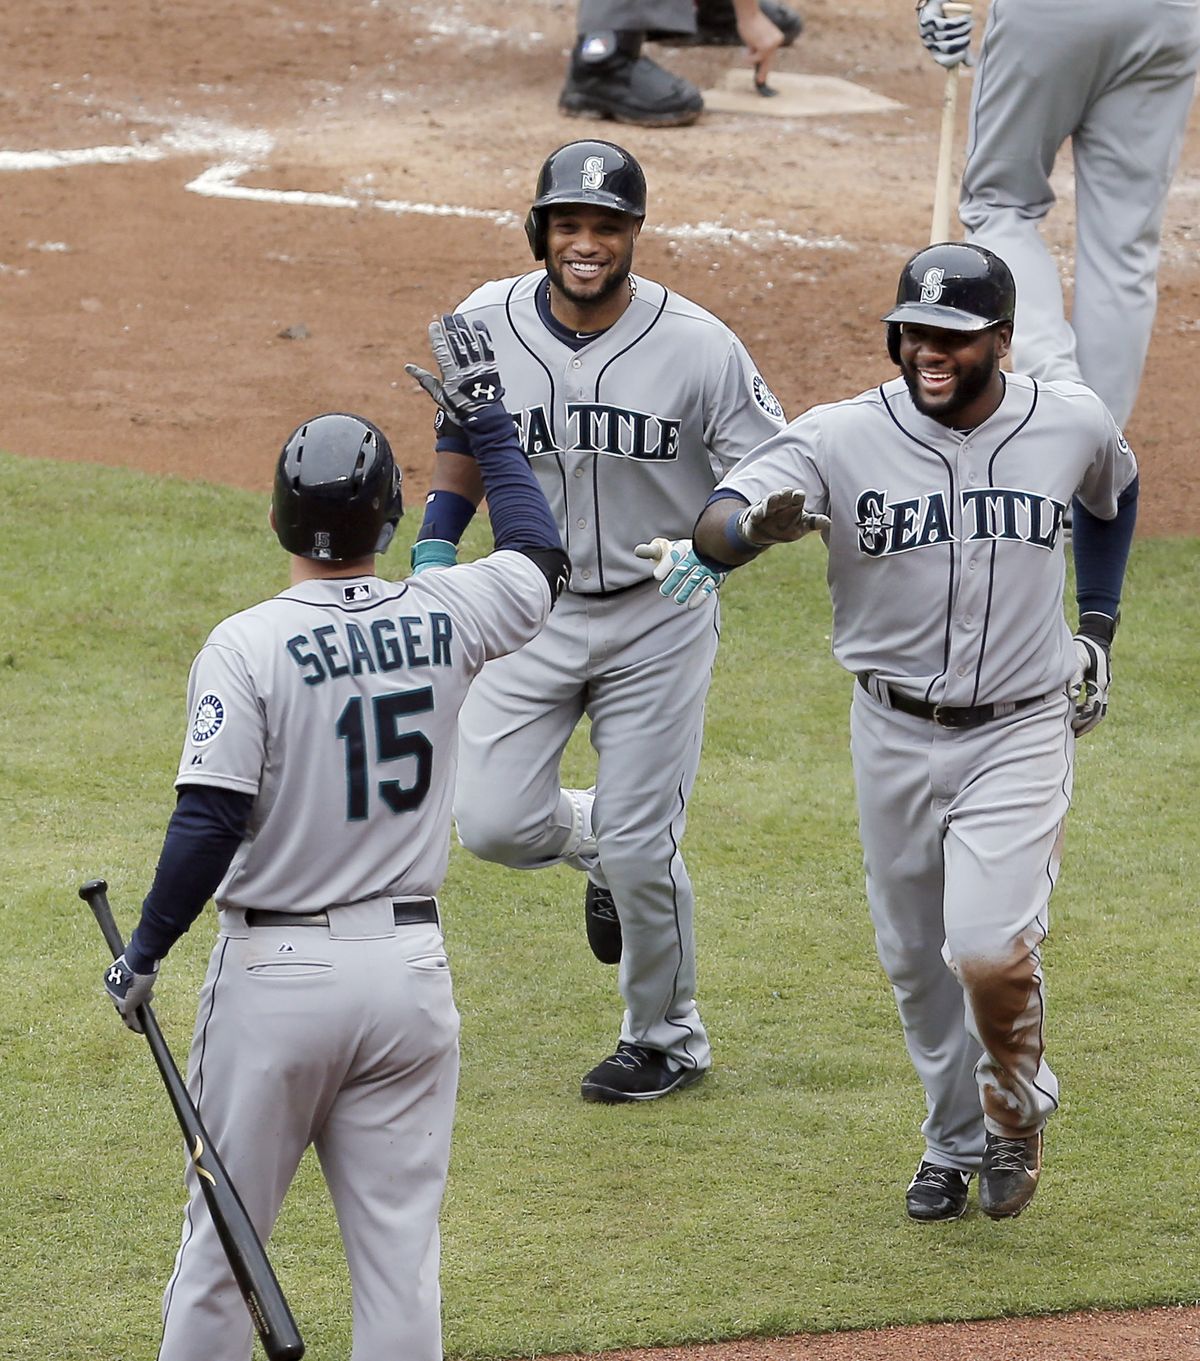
column 765, row 1201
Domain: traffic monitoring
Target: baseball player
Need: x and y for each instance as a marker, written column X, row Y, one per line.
column 608, row 77
column 1116, row 77
column 631, row 402
column 314, row 806
column 941, row 497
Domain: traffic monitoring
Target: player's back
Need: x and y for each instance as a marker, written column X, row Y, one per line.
column 338, row 703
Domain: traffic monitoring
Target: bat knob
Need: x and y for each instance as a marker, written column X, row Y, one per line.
column 92, row 887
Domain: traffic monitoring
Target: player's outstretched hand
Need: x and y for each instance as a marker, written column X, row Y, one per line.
column 779, row 518
column 1093, row 672
column 948, row 37
column 128, row 990
column 683, row 577
column 470, row 380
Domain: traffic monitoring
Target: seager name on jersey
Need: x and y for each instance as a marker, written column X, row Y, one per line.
column 593, row 428
column 348, row 649
column 886, row 527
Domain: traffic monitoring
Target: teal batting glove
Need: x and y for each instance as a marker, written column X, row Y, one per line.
column 429, row 553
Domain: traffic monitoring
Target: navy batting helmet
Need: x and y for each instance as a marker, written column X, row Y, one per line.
column 955, row 286
column 595, row 172
column 337, row 489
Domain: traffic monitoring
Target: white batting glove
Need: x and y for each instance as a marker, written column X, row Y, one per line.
column 779, row 518
column 129, row 990
column 948, row 38
column 1093, row 672
column 683, row 577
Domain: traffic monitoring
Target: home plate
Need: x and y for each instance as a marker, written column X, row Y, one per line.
column 796, row 96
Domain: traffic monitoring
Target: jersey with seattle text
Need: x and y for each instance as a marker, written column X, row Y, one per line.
column 630, row 433
column 946, row 565
column 335, row 704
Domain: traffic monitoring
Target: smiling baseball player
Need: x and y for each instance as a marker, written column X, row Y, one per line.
column 941, row 495
column 631, row 402
column 314, row 807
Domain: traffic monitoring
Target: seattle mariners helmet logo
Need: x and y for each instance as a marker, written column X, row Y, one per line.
column 932, row 284
column 593, row 172
column 210, row 715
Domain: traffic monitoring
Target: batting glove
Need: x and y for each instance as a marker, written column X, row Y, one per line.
column 1093, row 672
column 779, row 518
column 470, row 380
column 129, row 990
column 428, row 553
column 948, row 38
column 683, row 577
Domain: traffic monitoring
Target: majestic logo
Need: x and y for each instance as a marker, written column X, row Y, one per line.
column 210, row 715
column 932, row 284
column 593, row 172
column 767, row 399
column 886, row 527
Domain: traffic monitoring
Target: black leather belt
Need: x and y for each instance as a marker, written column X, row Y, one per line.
column 945, row 715
column 405, row 912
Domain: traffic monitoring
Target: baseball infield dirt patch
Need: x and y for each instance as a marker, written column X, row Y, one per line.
column 222, row 219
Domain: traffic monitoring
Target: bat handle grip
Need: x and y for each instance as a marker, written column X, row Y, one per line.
column 95, row 894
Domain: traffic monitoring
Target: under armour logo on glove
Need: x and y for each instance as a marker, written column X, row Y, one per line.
column 470, row 380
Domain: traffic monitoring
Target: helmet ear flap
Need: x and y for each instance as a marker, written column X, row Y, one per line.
column 535, row 230
column 893, row 341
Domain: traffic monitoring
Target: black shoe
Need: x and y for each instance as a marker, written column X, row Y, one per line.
column 635, row 1073
column 603, row 924
column 608, row 78
column 937, row 1193
column 716, row 25
column 1009, row 1176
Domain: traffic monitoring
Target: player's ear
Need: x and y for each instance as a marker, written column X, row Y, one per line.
column 1003, row 339
column 271, row 516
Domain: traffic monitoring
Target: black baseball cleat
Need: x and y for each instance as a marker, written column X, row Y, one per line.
column 937, row 1193
column 609, row 78
column 603, row 924
column 716, row 25
column 1009, row 1176
column 635, row 1073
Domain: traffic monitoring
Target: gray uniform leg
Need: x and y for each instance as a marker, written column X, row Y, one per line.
column 641, row 667
column 962, row 840
column 1116, row 76
column 639, row 16
column 348, row 1041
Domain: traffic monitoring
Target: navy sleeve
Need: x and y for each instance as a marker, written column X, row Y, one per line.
column 447, row 515
column 205, row 830
column 517, row 505
column 1101, row 549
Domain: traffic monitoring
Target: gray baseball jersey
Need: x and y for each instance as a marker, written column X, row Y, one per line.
column 1116, row 77
column 365, row 677
column 334, row 704
column 946, row 573
column 945, row 563
column 627, row 434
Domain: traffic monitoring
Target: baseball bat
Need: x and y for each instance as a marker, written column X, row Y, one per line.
column 942, row 189
column 248, row 1258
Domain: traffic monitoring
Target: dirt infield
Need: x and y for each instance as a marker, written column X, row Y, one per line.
column 221, row 219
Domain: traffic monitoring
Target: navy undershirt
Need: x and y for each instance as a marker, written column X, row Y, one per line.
column 206, row 828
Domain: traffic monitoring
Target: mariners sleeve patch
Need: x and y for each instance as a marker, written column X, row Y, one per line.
column 210, row 716
column 767, row 399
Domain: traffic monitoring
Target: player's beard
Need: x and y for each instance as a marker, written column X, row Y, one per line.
column 970, row 384
column 585, row 297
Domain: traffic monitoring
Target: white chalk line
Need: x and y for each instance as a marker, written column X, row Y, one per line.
column 198, row 137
